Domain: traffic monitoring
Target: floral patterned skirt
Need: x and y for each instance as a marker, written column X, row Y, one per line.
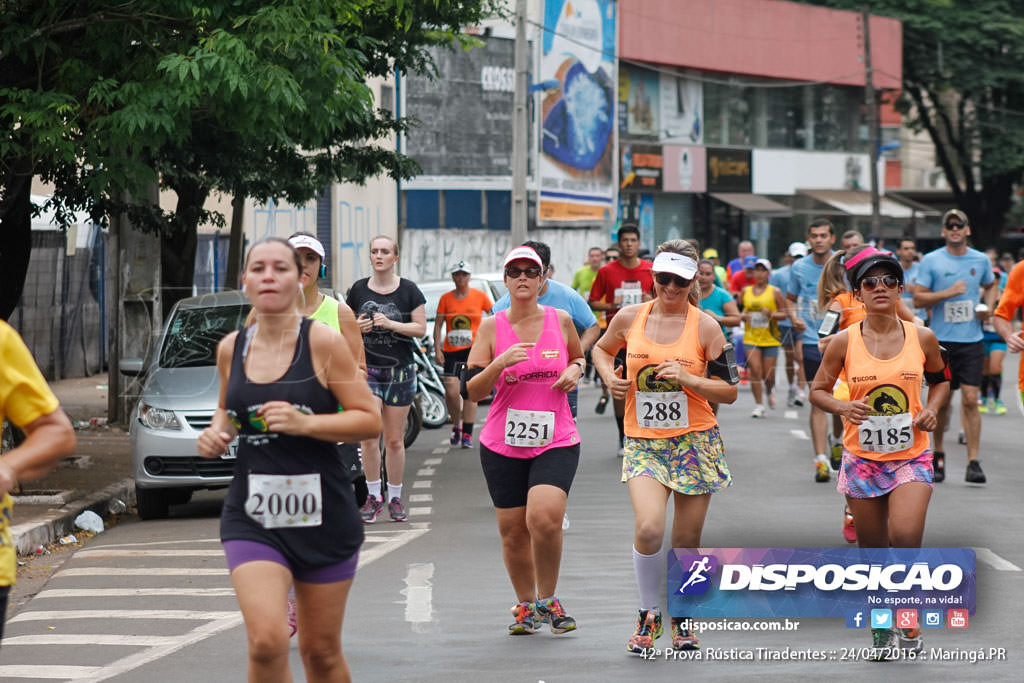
column 692, row 463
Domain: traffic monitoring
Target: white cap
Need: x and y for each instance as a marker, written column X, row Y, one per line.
column 460, row 267
column 677, row 264
column 764, row 262
column 311, row 243
column 797, row 249
column 523, row 253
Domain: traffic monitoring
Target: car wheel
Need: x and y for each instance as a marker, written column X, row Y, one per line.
column 152, row 503
column 413, row 422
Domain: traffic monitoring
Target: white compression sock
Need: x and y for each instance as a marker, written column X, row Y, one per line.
column 373, row 488
column 650, row 578
column 395, row 491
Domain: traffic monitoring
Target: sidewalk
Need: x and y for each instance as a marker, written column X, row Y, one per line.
column 97, row 475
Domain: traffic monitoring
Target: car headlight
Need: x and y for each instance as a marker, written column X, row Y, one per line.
column 158, row 418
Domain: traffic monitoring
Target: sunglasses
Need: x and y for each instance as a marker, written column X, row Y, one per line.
column 531, row 272
column 955, row 226
column 869, row 284
column 610, row 257
column 664, row 278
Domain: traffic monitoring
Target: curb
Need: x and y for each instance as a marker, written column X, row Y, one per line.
column 59, row 522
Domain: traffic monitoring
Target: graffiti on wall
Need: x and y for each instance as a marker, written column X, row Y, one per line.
column 357, row 225
column 427, row 254
column 281, row 220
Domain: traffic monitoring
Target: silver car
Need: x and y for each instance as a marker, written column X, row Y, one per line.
column 178, row 399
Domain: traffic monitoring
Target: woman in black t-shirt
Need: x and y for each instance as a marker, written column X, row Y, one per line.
column 391, row 314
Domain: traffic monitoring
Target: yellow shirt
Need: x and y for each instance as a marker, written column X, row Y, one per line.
column 24, row 397
column 761, row 330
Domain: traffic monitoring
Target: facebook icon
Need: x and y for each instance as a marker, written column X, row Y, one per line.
column 855, row 619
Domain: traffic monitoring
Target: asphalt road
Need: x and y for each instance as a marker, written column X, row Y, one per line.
column 152, row 601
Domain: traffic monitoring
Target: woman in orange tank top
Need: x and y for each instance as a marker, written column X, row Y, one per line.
column 675, row 364
column 886, row 472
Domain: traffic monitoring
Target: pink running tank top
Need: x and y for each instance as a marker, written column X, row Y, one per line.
column 527, row 416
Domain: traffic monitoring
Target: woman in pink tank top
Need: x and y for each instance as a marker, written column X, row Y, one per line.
column 529, row 446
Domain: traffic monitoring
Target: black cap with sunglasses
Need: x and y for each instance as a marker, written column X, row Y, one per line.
column 861, row 263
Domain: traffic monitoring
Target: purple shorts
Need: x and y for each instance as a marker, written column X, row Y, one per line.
column 863, row 478
column 238, row 552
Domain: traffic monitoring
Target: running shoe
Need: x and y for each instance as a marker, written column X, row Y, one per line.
column 939, row 465
column 909, row 640
column 974, row 473
column 821, row 472
column 983, row 405
column 961, row 438
column 467, row 440
column 835, row 453
column 602, row 403
column 371, row 508
column 456, row 437
column 801, row 396
column 551, row 612
column 758, row 411
column 648, row 630
column 293, row 621
column 884, row 643
column 1000, row 409
column 791, row 397
column 397, row 510
column 849, row 530
column 683, row 638
column 524, row 623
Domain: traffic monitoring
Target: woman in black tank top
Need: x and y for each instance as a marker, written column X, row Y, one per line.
column 289, row 391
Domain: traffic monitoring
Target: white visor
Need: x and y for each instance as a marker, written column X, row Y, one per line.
column 522, row 253
column 311, row 243
column 677, row 264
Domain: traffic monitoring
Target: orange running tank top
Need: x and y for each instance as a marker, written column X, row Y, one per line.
column 851, row 311
column 656, row 408
column 893, row 390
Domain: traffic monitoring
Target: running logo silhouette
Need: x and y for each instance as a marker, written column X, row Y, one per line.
column 695, row 580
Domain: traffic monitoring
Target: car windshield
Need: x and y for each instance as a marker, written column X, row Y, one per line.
column 193, row 334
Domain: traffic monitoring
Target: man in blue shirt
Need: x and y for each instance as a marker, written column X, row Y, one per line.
column 949, row 282
column 790, row 340
column 803, row 293
column 907, row 254
column 563, row 297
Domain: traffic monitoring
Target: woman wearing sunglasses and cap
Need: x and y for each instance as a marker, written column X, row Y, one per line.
column 676, row 363
column 529, row 446
column 886, row 472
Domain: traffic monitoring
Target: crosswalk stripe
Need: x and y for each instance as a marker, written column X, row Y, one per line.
column 117, row 552
column 422, row 484
column 100, row 546
column 141, row 571
column 425, row 472
column 432, row 461
column 53, row 593
column 91, row 639
column 48, row 670
column 366, row 556
column 43, row 615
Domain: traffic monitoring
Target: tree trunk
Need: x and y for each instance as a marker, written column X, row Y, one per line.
column 178, row 248
column 236, row 243
column 16, row 232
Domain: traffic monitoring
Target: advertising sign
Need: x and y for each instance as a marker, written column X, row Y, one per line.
column 639, row 95
column 577, row 163
column 728, row 170
column 640, row 167
column 682, row 109
column 684, row 169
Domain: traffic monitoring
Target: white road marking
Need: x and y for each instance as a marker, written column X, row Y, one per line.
column 133, row 592
column 418, row 592
column 90, row 639
column 402, row 536
column 988, row 557
column 151, row 543
column 422, row 484
column 425, row 472
column 439, row 451
column 432, row 461
column 791, row 415
column 420, row 511
column 800, row 434
column 110, row 551
column 421, row 498
column 47, row 670
column 114, row 614
column 141, row 571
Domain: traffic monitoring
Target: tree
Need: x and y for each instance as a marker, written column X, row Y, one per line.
column 239, row 96
column 963, row 83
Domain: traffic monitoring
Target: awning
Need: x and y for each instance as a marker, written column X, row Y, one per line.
column 753, row 203
column 858, row 203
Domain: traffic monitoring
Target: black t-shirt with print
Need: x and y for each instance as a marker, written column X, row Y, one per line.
column 385, row 348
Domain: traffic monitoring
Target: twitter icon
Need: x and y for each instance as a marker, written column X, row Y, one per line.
column 881, row 618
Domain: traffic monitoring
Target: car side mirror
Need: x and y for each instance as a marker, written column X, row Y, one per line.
column 131, row 366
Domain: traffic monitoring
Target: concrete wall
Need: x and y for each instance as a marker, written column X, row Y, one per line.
column 427, row 254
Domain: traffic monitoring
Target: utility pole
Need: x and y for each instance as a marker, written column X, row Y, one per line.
column 872, row 107
column 519, row 129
